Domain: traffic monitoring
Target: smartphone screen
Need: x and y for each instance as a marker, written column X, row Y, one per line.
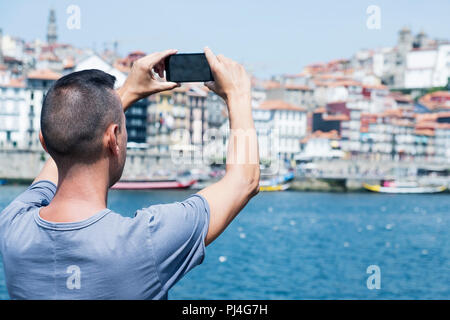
column 188, row 67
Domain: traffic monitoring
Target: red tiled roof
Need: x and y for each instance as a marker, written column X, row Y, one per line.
column 426, row 125
column 426, row 117
column 15, row 83
column 436, row 100
column 292, row 86
column 424, row 132
column 392, row 113
column 271, row 85
column 402, row 123
column 279, row 105
column 443, row 126
column 375, row 86
column 331, row 135
column 320, row 110
column 43, row 74
column 336, row 117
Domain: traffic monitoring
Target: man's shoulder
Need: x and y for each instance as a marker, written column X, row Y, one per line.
column 14, row 210
column 36, row 195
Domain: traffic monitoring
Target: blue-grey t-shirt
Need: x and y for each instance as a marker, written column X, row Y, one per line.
column 107, row 256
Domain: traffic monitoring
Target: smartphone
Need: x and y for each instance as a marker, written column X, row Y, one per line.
column 188, row 67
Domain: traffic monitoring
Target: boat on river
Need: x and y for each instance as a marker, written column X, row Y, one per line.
column 404, row 187
column 278, row 187
column 277, row 183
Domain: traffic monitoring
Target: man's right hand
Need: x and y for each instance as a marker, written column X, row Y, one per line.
column 230, row 78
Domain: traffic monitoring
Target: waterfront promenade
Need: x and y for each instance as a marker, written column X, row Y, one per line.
column 21, row 166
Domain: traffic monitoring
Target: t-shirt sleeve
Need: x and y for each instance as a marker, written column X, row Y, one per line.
column 177, row 232
column 38, row 194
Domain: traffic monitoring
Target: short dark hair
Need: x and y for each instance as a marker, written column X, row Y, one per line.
column 76, row 112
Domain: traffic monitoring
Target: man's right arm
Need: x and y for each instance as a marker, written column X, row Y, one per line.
column 227, row 197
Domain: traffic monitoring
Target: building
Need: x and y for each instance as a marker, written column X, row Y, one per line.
column 442, row 143
column 324, row 121
column 136, row 121
column 13, row 114
column 198, row 123
column 351, row 132
column 295, row 94
column 179, row 119
column 319, row 146
column 38, row 83
column 438, row 101
column 216, row 110
column 160, row 121
column 280, row 126
column 427, row 67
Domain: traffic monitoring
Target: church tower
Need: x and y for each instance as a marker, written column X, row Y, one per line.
column 52, row 36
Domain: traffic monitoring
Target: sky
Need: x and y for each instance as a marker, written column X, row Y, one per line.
column 268, row 37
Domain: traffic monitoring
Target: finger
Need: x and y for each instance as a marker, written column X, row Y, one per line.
column 160, row 56
column 160, row 67
column 224, row 59
column 151, row 60
column 156, row 69
column 212, row 59
column 167, row 85
column 210, row 85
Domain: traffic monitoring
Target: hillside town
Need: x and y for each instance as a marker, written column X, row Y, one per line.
column 381, row 105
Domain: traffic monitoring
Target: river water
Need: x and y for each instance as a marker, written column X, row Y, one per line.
column 293, row 245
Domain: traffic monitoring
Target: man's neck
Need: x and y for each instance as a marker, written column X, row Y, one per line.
column 82, row 192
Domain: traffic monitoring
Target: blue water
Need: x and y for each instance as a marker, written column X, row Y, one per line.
column 293, row 245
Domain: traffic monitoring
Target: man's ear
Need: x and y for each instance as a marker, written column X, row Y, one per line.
column 112, row 138
column 41, row 139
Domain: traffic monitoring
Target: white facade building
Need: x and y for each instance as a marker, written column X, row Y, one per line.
column 20, row 109
column 426, row 68
column 442, row 143
column 13, row 110
column 279, row 126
